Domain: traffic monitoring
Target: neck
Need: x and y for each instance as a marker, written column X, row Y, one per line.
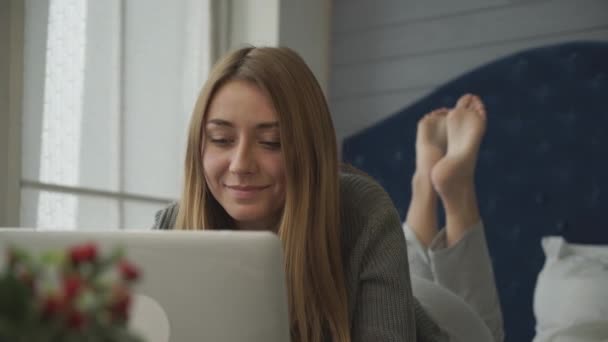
column 266, row 225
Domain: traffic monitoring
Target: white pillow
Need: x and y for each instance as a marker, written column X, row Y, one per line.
column 571, row 295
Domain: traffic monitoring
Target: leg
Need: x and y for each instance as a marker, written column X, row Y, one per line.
column 462, row 264
column 453, row 176
column 451, row 313
column 465, row 269
column 430, row 148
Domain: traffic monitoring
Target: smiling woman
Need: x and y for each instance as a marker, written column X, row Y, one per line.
column 242, row 157
column 262, row 155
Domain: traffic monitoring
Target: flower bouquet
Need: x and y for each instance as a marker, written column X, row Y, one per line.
column 70, row 295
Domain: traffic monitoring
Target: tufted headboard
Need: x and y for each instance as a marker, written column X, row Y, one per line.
column 543, row 165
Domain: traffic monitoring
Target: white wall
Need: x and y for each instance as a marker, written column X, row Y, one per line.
column 388, row 53
column 301, row 25
column 254, row 23
column 305, row 27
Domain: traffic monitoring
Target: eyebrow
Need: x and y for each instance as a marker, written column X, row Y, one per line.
column 263, row 125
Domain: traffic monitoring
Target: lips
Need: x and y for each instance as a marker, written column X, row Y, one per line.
column 246, row 187
column 245, row 192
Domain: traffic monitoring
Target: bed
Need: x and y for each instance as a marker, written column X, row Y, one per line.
column 543, row 165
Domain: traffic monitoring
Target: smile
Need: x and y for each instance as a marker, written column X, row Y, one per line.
column 246, row 187
column 245, row 192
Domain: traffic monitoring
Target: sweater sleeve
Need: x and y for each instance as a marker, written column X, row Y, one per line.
column 384, row 307
column 165, row 218
column 385, row 304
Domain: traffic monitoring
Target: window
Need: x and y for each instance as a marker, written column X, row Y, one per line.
column 109, row 87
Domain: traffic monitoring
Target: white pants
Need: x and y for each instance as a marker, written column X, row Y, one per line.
column 456, row 285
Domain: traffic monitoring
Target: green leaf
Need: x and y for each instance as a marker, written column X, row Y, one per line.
column 19, row 253
column 14, row 297
column 88, row 301
column 54, row 258
column 7, row 330
column 118, row 253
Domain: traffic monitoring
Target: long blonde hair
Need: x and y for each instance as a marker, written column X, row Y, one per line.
column 310, row 224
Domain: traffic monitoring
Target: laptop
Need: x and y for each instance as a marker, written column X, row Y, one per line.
column 219, row 286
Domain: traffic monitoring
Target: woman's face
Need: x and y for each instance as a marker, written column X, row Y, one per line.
column 242, row 157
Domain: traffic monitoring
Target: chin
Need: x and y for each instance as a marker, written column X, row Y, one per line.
column 250, row 215
column 247, row 215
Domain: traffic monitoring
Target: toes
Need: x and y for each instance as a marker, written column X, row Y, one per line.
column 464, row 101
column 432, row 115
column 439, row 111
column 423, row 119
column 478, row 106
column 472, row 102
column 442, row 111
column 476, row 102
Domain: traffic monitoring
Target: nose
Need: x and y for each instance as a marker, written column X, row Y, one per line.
column 243, row 159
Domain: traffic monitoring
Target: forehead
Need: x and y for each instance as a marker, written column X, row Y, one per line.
column 241, row 102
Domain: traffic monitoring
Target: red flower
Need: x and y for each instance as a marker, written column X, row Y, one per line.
column 128, row 271
column 83, row 253
column 121, row 303
column 26, row 277
column 76, row 320
column 52, row 305
column 72, row 285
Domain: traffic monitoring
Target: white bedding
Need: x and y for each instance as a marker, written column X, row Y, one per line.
column 571, row 296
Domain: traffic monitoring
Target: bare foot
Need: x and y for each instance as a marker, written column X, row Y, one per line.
column 431, row 145
column 453, row 176
column 466, row 125
column 431, row 141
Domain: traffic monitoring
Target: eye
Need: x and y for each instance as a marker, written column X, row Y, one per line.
column 220, row 141
column 271, row 145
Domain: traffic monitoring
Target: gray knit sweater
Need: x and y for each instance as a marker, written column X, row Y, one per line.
column 381, row 304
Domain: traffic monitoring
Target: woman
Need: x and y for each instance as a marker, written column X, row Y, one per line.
column 262, row 155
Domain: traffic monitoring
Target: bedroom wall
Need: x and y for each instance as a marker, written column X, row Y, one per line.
column 285, row 23
column 385, row 54
column 305, row 27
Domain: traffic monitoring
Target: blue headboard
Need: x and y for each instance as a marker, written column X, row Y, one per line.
column 543, row 165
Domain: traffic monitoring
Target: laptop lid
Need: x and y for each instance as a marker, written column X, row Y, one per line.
column 196, row 286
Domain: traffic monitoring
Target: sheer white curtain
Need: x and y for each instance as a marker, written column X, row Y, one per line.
column 108, row 90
